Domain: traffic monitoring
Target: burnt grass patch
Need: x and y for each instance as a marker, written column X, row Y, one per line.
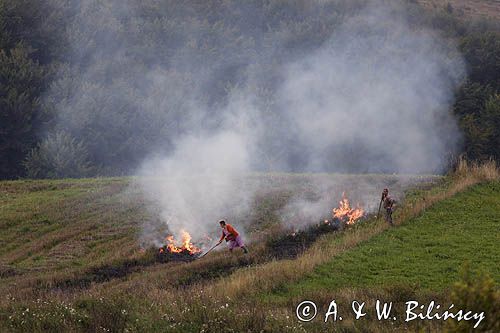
column 216, row 270
column 121, row 269
column 7, row 271
column 101, row 274
column 183, row 256
column 292, row 244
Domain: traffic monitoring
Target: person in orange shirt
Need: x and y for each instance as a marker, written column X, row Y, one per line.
column 231, row 236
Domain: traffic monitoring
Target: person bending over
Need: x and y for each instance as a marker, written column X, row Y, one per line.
column 231, row 236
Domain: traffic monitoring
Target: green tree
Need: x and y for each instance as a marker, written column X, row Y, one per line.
column 478, row 110
column 482, row 55
column 492, row 124
column 21, row 82
column 59, row 156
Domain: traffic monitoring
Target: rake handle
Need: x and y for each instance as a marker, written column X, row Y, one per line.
column 379, row 206
column 213, row 247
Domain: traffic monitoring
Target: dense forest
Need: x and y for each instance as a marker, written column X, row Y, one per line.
column 75, row 76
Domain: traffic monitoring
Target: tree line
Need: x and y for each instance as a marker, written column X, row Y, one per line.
column 51, row 49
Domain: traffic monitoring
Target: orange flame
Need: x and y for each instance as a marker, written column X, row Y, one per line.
column 345, row 213
column 185, row 246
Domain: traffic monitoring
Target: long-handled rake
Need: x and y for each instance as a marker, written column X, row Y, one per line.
column 379, row 206
column 213, row 247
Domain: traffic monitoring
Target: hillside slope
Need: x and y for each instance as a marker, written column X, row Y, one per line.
column 55, row 231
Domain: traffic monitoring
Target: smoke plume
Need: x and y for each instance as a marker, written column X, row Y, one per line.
column 372, row 97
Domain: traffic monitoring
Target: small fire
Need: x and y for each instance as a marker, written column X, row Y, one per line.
column 186, row 246
column 345, row 213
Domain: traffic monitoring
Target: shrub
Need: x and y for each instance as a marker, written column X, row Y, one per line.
column 476, row 292
column 59, row 156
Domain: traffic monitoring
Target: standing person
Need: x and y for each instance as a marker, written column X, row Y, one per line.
column 389, row 205
column 231, row 236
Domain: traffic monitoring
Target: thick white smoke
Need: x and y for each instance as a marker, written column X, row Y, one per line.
column 200, row 181
column 373, row 97
column 197, row 184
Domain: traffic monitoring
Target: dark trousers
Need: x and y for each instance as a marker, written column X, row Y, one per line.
column 388, row 216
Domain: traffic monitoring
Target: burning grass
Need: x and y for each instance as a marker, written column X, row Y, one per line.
column 291, row 244
column 345, row 213
column 178, row 251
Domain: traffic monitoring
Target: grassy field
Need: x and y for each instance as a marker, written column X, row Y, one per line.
column 70, row 258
